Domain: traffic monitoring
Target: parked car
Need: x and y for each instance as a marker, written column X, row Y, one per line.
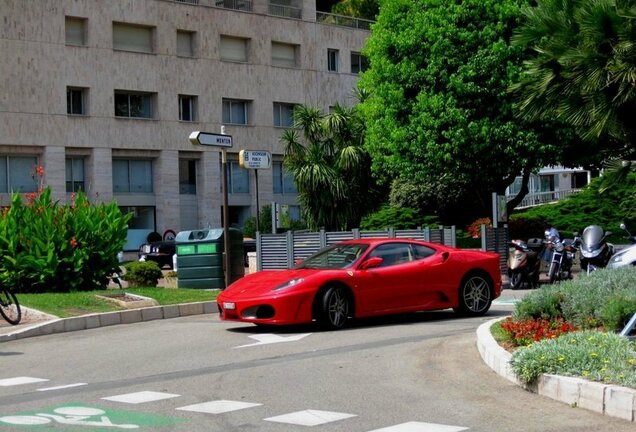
column 160, row 252
column 366, row 277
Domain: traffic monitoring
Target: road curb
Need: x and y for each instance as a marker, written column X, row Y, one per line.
column 129, row 316
column 610, row 400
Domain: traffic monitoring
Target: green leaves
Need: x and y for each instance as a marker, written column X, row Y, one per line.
column 47, row 247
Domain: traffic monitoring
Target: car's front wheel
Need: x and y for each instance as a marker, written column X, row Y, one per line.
column 335, row 308
column 475, row 296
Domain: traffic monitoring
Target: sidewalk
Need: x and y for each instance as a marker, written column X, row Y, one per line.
column 35, row 323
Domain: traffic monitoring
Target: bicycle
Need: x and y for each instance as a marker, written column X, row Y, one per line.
column 9, row 307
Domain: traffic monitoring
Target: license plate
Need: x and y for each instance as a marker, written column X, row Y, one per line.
column 229, row 305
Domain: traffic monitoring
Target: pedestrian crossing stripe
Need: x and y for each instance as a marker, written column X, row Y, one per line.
column 141, row 397
column 218, row 407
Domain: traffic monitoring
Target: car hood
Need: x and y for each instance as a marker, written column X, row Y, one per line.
column 263, row 282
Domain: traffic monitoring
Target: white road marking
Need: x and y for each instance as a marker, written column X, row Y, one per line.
column 62, row 387
column 309, row 417
column 19, row 381
column 141, row 397
column 421, row 427
column 270, row 338
column 218, row 407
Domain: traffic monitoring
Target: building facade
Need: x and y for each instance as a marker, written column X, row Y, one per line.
column 104, row 95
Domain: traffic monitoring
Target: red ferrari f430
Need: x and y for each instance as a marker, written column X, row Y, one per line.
column 366, row 277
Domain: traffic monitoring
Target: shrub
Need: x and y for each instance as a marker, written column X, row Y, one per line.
column 397, row 218
column 616, row 312
column 583, row 301
column 142, row 274
column 604, row 357
column 46, row 246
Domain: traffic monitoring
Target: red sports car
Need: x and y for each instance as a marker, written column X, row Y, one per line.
column 367, row 277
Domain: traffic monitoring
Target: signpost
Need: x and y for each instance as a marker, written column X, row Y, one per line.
column 255, row 160
column 223, row 141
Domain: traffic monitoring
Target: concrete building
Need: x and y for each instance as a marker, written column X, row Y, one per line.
column 104, row 94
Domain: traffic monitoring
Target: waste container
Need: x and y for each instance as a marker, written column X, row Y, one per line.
column 200, row 258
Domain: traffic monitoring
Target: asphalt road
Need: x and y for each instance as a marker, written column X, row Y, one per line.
column 413, row 373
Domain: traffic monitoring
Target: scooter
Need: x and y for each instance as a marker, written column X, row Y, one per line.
column 595, row 250
column 524, row 263
column 562, row 257
column 626, row 256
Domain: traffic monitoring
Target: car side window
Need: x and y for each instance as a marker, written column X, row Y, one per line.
column 393, row 254
column 421, row 251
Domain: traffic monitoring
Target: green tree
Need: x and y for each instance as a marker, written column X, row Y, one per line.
column 367, row 9
column 439, row 111
column 582, row 71
column 330, row 166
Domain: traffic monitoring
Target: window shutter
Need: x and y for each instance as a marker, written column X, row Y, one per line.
column 74, row 31
column 233, row 49
column 132, row 38
column 283, row 54
column 184, row 44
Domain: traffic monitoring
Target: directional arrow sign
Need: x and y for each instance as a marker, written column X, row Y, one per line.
column 270, row 338
column 255, row 159
column 210, row 139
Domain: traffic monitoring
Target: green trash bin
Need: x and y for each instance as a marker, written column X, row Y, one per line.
column 200, row 258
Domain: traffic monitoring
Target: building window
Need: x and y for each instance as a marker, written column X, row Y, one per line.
column 234, row 111
column 132, row 175
column 358, row 63
column 187, row 176
column 131, row 37
column 75, row 31
column 233, row 49
column 283, row 180
column 284, row 54
column 133, row 104
column 238, row 180
column 185, row 43
column 75, row 101
column 187, row 108
column 283, row 114
column 332, row 60
column 17, row 174
column 74, row 174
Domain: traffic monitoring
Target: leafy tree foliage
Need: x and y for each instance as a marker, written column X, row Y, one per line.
column 367, row 9
column 330, row 166
column 583, row 71
column 439, row 111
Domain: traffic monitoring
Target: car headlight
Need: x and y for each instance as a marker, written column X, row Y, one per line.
column 288, row 284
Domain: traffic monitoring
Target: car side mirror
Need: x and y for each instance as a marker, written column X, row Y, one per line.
column 371, row 263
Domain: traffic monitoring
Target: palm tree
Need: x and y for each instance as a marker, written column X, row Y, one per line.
column 583, row 71
column 331, row 168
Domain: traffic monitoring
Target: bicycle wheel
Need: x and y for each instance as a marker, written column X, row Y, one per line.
column 9, row 307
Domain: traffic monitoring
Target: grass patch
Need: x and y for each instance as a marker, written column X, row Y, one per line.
column 66, row 305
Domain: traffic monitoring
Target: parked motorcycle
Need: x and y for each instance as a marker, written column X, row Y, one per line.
column 561, row 259
column 626, row 256
column 524, row 263
column 595, row 250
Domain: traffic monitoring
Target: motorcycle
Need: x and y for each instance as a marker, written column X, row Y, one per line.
column 595, row 250
column 561, row 259
column 524, row 263
column 626, row 256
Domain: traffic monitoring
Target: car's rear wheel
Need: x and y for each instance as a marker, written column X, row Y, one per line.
column 475, row 295
column 335, row 309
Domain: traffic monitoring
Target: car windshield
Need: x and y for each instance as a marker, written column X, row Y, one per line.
column 335, row 257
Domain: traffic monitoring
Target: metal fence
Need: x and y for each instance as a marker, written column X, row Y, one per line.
column 281, row 251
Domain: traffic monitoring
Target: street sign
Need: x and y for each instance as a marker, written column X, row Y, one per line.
column 255, row 159
column 210, row 139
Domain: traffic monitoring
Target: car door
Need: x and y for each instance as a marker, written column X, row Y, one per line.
column 389, row 286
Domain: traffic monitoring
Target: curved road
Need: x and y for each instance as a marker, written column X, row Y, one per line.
column 413, row 373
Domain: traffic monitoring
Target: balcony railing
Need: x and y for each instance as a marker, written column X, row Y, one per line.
column 243, row 5
column 285, row 11
column 188, row 1
column 538, row 198
column 345, row 21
